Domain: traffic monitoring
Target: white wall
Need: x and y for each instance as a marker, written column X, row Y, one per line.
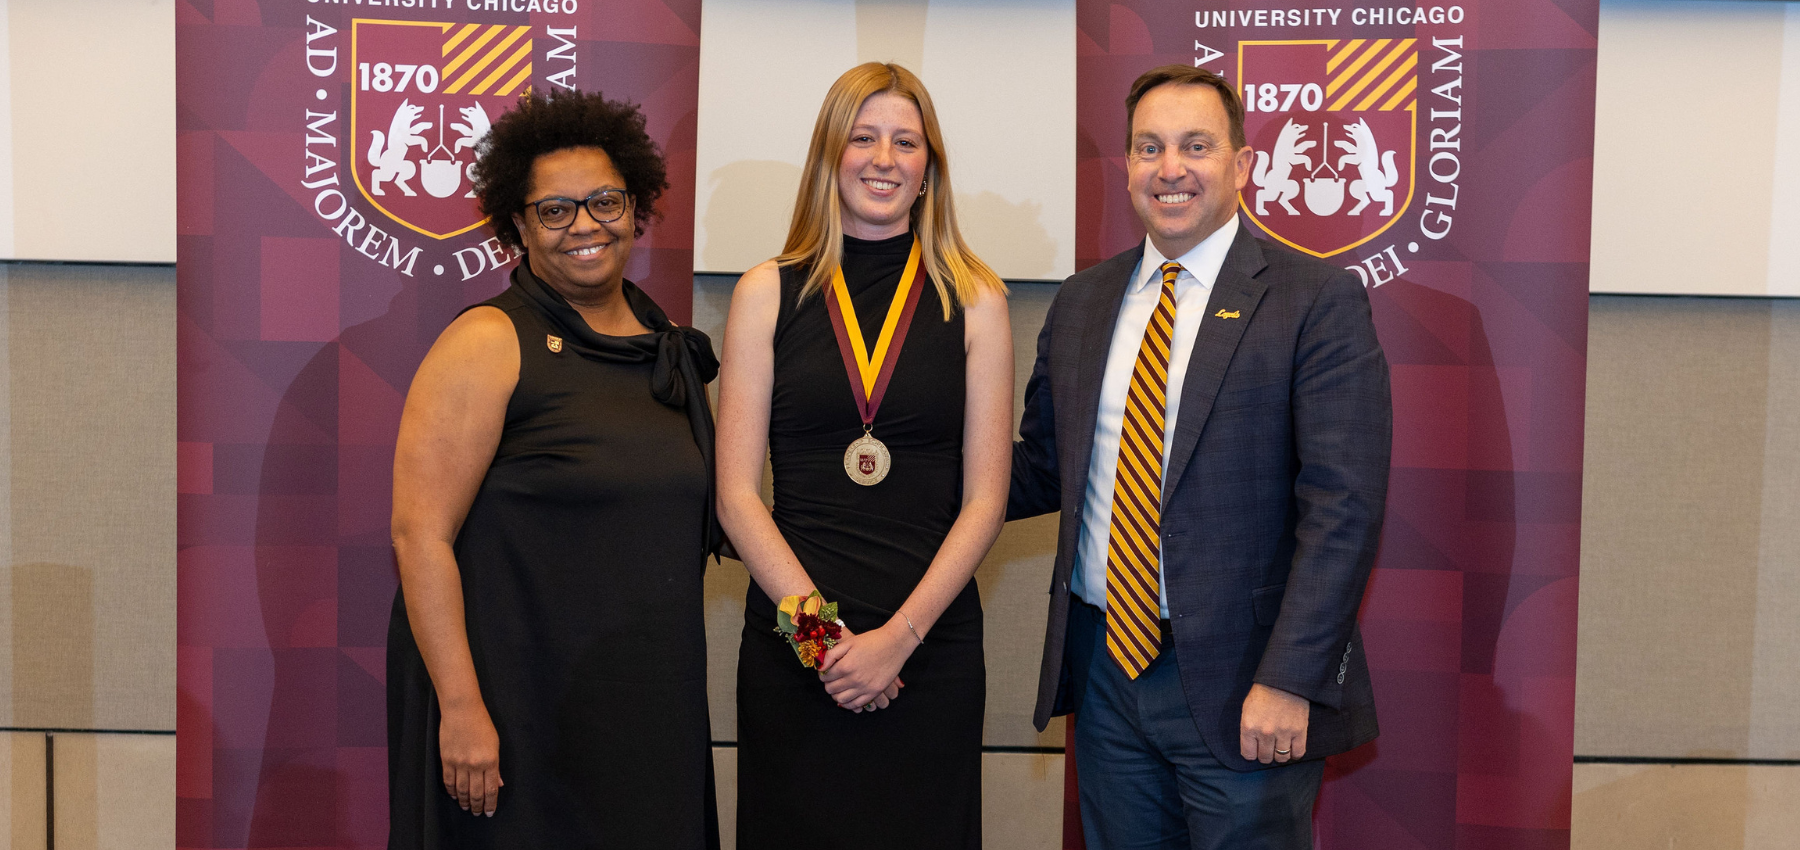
column 1697, row 148
column 87, row 130
column 1001, row 73
column 1697, row 139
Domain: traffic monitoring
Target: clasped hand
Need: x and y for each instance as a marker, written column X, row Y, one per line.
column 862, row 673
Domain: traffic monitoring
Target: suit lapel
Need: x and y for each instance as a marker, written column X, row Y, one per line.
column 1236, row 291
column 1100, row 314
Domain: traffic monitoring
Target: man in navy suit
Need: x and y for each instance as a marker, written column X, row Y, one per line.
column 1211, row 415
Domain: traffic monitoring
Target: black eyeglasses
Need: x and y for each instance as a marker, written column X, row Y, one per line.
column 605, row 206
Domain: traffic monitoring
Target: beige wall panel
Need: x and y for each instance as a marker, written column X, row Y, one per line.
column 53, row 645
column 115, row 792
column 22, row 790
column 725, row 781
column 1775, row 689
column 6, row 577
column 1672, row 505
column 1013, row 579
column 77, row 791
column 726, row 580
column 115, row 140
column 1662, row 227
column 726, row 583
column 1021, row 801
column 1690, row 807
column 91, row 354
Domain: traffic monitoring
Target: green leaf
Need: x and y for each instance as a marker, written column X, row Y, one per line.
column 828, row 612
column 784, row 622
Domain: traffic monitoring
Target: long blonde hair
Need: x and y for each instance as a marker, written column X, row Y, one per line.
column 816, row 234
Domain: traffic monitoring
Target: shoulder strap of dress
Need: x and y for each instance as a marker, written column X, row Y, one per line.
column 531, row 331
column 792, row 279
column 508, row 299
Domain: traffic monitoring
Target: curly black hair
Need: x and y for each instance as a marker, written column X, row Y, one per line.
column 542, row 124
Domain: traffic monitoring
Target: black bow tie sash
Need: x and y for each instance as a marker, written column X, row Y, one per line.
column 683, row 362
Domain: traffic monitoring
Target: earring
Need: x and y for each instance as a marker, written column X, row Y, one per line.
column 923, row 185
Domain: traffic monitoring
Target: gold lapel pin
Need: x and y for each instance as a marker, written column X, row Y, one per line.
column 554, row 343
column 1224, row 315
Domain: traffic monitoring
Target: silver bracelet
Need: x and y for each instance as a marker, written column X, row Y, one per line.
column 909, row 627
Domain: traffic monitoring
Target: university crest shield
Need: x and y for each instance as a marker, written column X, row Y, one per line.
column 1334, row 124
column 422, row 95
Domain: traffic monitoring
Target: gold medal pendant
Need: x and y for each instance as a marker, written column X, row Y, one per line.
column 867, row 460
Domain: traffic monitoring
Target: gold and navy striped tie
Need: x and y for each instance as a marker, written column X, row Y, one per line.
column 1133, row 575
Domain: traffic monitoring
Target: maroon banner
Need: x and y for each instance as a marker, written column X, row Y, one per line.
column 326, row 236
column 1443, row 153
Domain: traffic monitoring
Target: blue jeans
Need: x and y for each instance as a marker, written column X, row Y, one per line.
column 1149, row 782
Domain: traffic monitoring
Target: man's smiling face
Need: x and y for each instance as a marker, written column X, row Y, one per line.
column 1183, row 174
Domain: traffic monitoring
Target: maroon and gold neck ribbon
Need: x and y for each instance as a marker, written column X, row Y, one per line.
column 870, row 371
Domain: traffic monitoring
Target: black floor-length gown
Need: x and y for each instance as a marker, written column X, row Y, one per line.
column 908, row 776
column 581, row 562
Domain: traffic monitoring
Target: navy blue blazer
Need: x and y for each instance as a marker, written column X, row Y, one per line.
column 1272, row 499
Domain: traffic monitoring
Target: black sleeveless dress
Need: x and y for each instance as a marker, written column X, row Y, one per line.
column 909, row 776
column 581, row 563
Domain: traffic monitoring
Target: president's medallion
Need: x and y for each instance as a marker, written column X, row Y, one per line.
column 867, row 461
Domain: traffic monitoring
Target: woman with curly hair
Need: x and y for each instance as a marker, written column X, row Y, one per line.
column 872, row 362
column 552, row 515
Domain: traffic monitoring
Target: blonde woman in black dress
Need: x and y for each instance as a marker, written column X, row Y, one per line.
column 872, row 363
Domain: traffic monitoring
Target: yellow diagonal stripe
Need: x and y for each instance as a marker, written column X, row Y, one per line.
column 1161, row 376
column 1132, row 574
column 487, row 35
column 461, row 34
column 1128, row 611
column 1140, row 404
column 513, row 84
column 521, row 53
column 1338, row 56
column 1374, row 72
column 1136, row 464
column 1403, row 71
column 1131, row 517
column 1139, row 628
column 1374, row 50
column 488, row 58
column 1119, row 646
column 1403, row 94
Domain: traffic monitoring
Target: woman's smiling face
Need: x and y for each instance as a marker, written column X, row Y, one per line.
column 587, row 255
column 883, row 167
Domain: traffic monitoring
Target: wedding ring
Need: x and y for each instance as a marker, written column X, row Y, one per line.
column 1283, row 752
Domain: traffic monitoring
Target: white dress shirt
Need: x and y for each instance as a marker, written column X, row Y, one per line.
column 1199, row 270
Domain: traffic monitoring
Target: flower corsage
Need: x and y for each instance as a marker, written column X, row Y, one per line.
column 810, row 624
